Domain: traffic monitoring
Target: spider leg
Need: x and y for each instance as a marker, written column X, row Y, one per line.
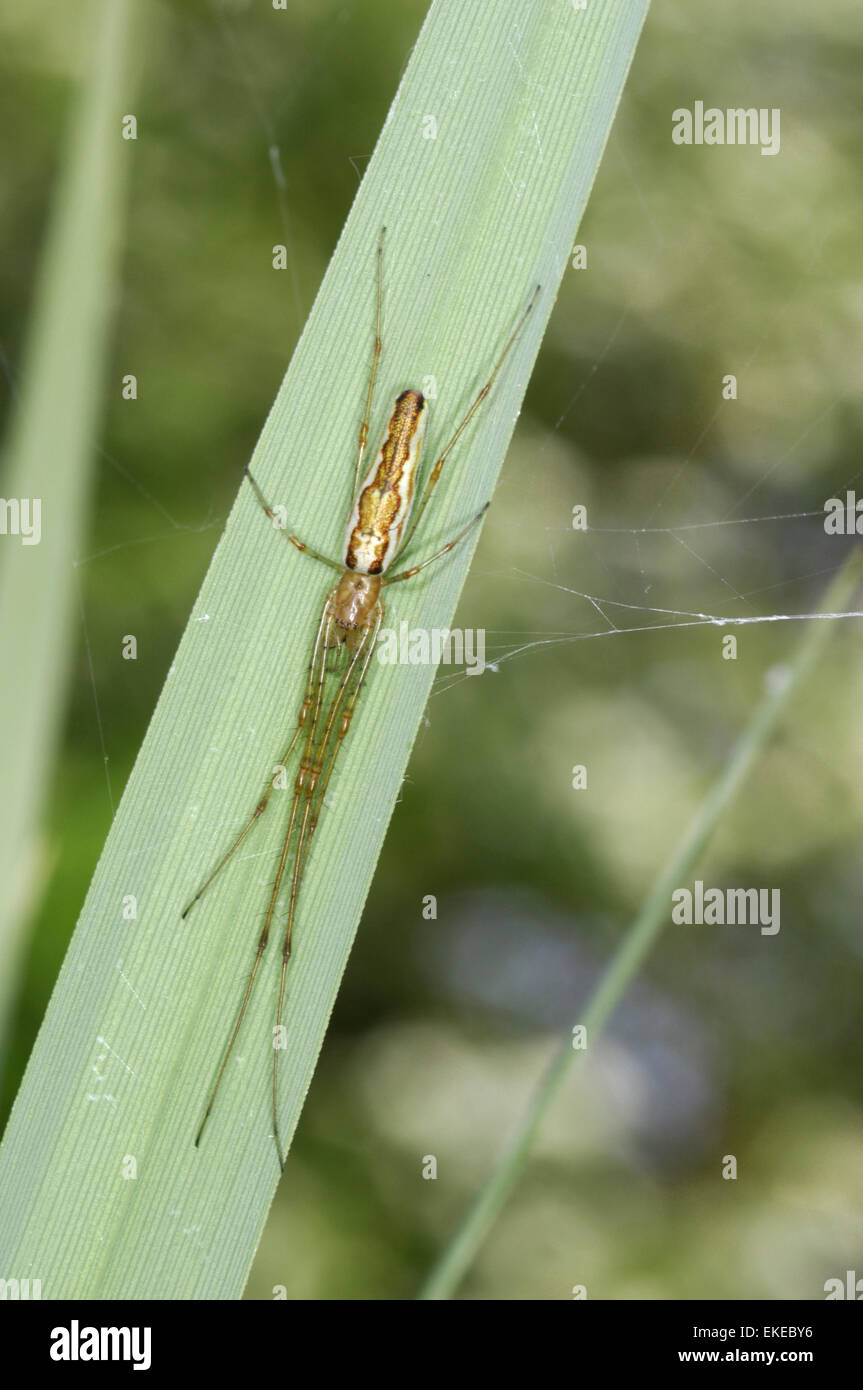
column 444, row 550
column 264, row 801
column 347, row 716
column 313, row 698
column 294, row 540
column 364, row 427
column 436, row 471
column 323, row 760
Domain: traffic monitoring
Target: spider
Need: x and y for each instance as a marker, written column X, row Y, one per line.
column 379, row 529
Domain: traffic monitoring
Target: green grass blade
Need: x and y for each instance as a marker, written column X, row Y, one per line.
column 653, row 916
column 49, row 457
column 481, row 174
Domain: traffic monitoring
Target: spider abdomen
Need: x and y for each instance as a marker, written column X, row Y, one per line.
column 386, row 493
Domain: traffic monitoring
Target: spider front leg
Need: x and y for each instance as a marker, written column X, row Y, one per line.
column 347, row 716
column 319, row 761
column 312, row 702
column 305, row 707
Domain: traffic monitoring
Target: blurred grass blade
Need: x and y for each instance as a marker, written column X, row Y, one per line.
column 48, row 460
column 653, row 916
column 481, row 174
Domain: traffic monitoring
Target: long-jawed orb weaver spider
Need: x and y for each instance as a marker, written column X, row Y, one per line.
column 378, row 531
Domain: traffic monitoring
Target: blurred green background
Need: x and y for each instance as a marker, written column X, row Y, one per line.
column 701, row 262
